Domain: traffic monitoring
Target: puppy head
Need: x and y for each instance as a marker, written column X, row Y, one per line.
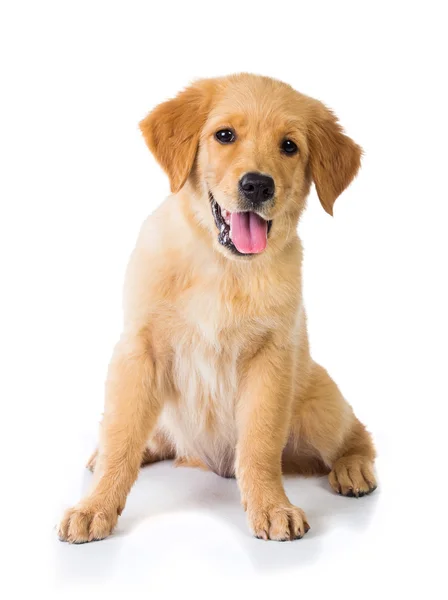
column 248, row 148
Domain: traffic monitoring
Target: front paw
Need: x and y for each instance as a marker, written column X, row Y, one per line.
column 87, row 522
column 279, row 522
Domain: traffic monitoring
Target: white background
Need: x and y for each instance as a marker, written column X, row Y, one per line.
column 76, row 183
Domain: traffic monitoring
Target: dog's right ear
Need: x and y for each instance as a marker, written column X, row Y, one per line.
column 172, row 131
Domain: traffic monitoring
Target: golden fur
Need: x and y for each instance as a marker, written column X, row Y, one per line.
column 213, row 367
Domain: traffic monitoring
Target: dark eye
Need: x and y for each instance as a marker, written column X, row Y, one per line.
column 289, row 147
column 225, row 136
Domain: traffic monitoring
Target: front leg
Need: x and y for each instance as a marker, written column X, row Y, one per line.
column 264, row 417
column 131, row 410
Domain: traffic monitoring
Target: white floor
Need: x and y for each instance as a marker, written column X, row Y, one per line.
column 184, row 532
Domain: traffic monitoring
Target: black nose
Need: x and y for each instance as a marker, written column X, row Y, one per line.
column 257, row 188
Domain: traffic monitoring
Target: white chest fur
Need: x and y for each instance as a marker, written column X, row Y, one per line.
column 208, row 352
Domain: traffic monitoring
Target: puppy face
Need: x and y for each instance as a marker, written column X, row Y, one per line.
column 249, row 148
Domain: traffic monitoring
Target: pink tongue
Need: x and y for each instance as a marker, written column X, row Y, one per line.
column 249, row 232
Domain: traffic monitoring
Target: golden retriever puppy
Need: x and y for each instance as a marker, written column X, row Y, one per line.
column 213, row 367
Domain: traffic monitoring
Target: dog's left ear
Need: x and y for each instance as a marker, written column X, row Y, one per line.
column 172, row 131
column 334, row 157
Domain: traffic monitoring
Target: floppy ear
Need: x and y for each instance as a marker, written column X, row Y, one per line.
column 172, row 131
column 334, row 157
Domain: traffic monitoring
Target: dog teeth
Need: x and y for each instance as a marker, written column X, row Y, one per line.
column 225, row 215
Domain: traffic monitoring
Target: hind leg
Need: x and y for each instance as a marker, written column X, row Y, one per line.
column 352, row 471
column 324, row 423
column 159, row 448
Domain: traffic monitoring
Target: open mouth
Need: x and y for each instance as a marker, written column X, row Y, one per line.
column 244, row 233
